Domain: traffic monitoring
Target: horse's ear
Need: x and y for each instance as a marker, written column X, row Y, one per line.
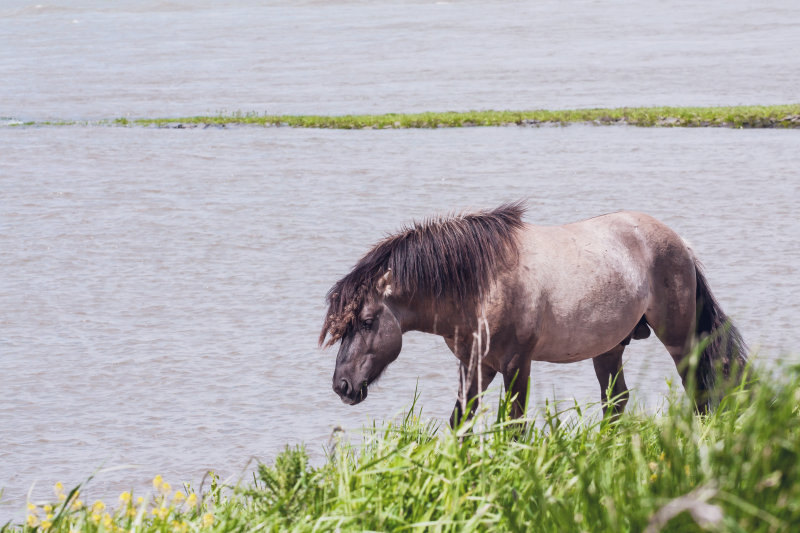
column 384, row 285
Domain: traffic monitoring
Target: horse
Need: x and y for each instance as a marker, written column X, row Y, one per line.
column 503, row 293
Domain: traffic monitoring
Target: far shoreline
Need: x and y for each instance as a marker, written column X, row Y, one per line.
column 735, row 117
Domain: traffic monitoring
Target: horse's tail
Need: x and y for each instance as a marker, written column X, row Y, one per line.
column 724, row 352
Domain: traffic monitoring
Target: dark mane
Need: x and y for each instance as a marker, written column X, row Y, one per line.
column 450, row 257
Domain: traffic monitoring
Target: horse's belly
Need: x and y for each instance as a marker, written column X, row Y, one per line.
column 579, row 342
column 587, row 319
column 568, row 351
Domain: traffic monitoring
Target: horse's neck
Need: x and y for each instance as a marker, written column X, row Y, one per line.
column 443, row 317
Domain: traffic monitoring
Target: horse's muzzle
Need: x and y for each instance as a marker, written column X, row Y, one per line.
column 349, row 394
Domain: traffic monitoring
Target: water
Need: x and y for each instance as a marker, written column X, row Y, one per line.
column 162, row 290
column 187, row 57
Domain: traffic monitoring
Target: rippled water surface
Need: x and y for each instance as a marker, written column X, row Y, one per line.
column 162, row 290
column 98, row 59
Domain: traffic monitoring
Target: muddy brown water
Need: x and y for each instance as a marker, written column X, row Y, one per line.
column 162, row 290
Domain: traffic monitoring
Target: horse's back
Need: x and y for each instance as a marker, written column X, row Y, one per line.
column 625, row 242
column 639, row 236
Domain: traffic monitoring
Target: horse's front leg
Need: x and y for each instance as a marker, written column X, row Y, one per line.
column 467, row 397
column 608, row 367
column 516, row 381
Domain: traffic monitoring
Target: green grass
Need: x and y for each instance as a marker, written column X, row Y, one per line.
column 782, row 116
column 778, row 116
column 737, row 469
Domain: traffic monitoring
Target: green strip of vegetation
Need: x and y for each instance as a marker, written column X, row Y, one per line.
column 737, row 469
column 781, row 116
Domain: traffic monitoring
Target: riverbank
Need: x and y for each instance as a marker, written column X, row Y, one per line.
column 735, row 470
column 779, row 116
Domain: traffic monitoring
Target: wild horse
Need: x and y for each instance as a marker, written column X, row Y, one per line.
column 530, row 293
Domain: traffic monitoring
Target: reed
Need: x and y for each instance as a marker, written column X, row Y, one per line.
column 737, row 469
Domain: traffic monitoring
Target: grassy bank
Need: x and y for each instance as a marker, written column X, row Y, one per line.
column 782, row 116
column 778, row 116
column 735, row 470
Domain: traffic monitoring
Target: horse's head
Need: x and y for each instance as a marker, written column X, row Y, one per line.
column 369, row 345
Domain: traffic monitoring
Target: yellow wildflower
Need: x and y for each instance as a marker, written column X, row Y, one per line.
column 62, row 497
column 139, row 500
column 98, row 506
column 32, row 520
column 77, row 504
column 157, row 481
column 191, row 501
column 662, row 456
column 654, row 477
column 107, row 520
column 31, row 507
column 166, row 488
column 58, row 488
column 46, row 524
column 96, row 518
column 125, row 498
column 179, row 497
column 208, row 519
column 48, row 508
column 131, row 512
column 49, row 516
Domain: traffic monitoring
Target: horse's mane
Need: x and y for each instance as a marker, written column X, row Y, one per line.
column 453, row 257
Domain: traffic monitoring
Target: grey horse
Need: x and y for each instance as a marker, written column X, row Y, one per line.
column 503, row 293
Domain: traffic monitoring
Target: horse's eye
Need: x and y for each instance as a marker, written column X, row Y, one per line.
column 367, row 324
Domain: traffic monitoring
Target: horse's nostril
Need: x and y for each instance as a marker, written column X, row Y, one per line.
column 344, row 386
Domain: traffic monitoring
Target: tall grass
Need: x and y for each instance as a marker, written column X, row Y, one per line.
column 737, row 469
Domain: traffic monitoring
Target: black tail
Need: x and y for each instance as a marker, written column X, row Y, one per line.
column 724, row 354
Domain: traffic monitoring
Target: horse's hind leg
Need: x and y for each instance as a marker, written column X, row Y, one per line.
column 608, row 367
column 672, row 311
